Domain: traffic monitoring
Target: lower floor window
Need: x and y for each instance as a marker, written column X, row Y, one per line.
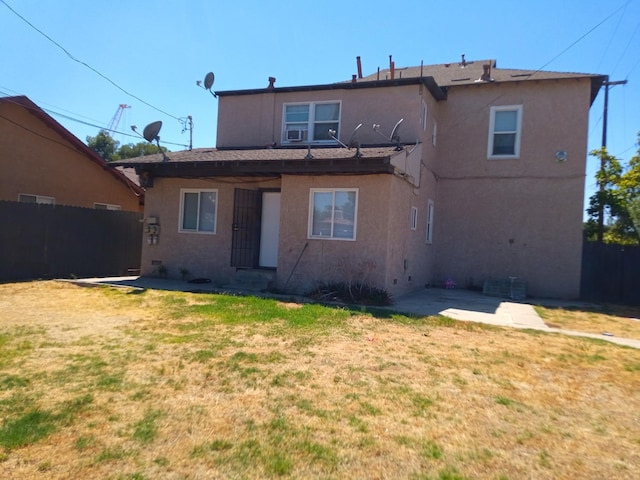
column 105, row 206
column 333, row 213
column 198, row 210
column 25, row 198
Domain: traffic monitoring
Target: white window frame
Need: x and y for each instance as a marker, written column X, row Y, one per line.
column 333, row 191
column 414, row 218
column 199, row 191
column 106, row 206
column 430, row 213
column 423, row 115
column 308, row 131
column 517, row 131
column 39, row 199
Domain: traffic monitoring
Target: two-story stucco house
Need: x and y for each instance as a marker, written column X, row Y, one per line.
column 460, row 171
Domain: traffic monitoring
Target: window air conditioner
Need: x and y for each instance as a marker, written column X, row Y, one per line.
column 295, row 135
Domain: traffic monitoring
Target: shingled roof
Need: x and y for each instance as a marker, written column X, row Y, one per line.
column 438, row 78
column 448, row 74
column 265, row 161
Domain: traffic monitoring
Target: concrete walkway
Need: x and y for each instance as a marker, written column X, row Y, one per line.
column 462, row 305
column 469, row 306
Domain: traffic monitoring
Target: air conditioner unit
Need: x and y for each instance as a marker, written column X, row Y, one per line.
column 295, row 135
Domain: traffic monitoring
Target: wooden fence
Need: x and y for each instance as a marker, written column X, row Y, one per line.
column 610, row 273
column 52, row 241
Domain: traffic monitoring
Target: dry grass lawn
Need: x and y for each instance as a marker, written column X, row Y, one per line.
column 119, row 384
column 616, row 320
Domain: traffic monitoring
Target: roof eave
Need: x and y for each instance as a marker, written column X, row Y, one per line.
column 429, row 82
column 266, row 168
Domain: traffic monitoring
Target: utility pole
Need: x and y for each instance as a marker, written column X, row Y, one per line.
column 603, row 153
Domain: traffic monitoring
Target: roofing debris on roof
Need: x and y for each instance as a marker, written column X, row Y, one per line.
column 466, row 72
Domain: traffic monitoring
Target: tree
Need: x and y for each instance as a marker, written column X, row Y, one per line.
column 109, row 149
column 617, row 200
column 104, row 145
column 131, row 150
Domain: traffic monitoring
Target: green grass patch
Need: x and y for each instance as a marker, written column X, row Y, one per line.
column 27, row 428
column 232, row 310
column 115, row 453
column 421, row 405
column 146, row 429
column 431, row 450
column 9, row 382
column 507, row 402
column 632, row 367
column 26, row 424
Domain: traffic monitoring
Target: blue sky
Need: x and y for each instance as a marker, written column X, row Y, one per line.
column 156, row 50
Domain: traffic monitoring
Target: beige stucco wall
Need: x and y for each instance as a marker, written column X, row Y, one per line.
column 255, row 120
column 334, row 260
column 202, row 254
column 519, row 217
column 36, row 160
column 383, row 237
column 493, row 218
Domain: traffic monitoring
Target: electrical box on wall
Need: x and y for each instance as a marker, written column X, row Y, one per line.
column 152, row 230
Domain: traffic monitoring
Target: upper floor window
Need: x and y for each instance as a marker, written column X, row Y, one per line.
column 305, row 122
column 414, row 218
column 505, row 127
column 423, row 116
column 26, row 198
column 332, row 213
column 198, row 210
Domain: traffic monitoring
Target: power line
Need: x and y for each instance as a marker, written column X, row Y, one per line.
column 604, row 54
column 4, row 91
column 77, row 120
column 579, row 39
column 625, row 49
column 72, row 57
column 39, row 134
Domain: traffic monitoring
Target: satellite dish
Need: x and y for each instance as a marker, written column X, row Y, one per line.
column 208, row 83
column 394, row 132
column 353, row 139
column 395, row 135
column 208, row 80
column 150, row 132
column 355, row 142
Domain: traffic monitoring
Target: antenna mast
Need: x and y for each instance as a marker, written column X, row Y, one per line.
column 113, row 124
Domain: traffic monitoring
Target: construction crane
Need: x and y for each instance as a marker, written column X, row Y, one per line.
column 113, row 124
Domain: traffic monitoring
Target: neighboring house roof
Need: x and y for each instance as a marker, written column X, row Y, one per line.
column 438, row 78
column 130, row 173
column 265, row 161
column 74, row 141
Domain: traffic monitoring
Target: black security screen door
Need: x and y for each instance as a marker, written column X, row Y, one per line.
column 245, row 242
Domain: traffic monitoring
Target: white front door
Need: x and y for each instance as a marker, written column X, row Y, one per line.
column 270, row 229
